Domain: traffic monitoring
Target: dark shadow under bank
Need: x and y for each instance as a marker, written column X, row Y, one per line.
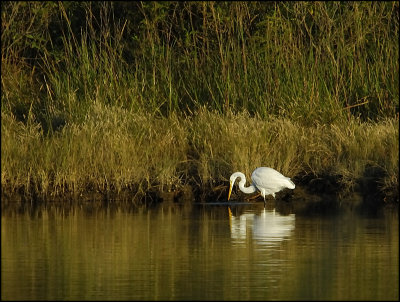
column 311, row 196
column 299, row 203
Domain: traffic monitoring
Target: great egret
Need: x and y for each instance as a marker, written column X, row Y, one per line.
column 267, row 180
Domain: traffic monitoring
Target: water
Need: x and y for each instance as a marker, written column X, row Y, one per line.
column 197, row 252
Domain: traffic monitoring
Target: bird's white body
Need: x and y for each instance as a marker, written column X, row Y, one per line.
column 264, row 179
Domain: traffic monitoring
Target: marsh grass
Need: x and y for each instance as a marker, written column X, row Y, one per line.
column 176, row 93
column 240, row 143
column 115, row 150
column 112, row 151
column 302, row 61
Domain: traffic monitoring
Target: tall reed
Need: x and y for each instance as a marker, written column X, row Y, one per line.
column 304, row 61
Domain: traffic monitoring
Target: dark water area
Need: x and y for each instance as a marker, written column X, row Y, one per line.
column 193, row 251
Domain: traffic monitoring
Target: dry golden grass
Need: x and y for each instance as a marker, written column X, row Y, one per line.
column 115, row 150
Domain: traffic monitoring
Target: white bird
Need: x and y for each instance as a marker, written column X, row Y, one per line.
column 267, row 180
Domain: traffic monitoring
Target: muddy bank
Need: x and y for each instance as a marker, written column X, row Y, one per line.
column 311, row 195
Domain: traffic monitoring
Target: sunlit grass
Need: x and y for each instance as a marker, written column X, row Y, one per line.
column 114, row 150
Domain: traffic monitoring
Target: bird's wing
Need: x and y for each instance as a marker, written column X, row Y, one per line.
column 270, row 179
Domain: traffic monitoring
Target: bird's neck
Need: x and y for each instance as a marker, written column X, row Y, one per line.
column 247, row 190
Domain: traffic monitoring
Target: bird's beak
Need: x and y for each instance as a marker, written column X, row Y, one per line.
column 230, row 190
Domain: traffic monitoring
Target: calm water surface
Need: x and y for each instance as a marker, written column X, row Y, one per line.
column 197, row 252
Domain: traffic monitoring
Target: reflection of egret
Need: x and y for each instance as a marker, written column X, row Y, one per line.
column 272, row 227
column 267, row 180
column 268, row 228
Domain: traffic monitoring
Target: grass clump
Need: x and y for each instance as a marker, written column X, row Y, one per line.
column 114, row 150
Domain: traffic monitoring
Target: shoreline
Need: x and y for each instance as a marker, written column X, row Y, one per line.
column 319, row 198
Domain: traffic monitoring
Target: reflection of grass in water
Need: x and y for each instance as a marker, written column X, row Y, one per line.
column 114, row 150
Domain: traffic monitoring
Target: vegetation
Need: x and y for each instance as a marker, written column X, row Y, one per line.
column 138, row 96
